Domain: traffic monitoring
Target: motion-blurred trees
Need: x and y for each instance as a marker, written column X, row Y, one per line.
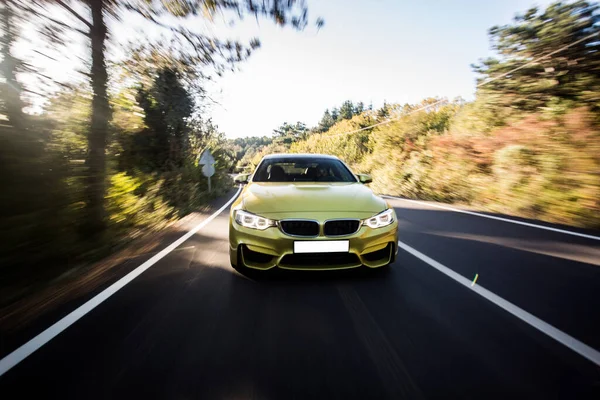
column 289, row 133
column 384, row 112
column 11, row 99
column 346, row 111
column 552, row 55
column 184, row 44
column 245, row 149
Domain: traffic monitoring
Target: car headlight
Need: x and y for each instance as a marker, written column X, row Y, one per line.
column 249, row 220
column 382, row 219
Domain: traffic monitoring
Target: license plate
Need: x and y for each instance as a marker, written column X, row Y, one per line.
column 322, row 246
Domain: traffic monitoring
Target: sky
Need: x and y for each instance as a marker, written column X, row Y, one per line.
column 400, row 51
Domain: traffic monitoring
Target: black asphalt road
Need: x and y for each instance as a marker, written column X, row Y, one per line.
column 192, row 328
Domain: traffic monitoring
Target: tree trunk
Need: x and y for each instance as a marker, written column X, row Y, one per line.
column 12, row 90
column 94, row 222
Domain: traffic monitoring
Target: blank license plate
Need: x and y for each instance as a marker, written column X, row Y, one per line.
column 322, row 246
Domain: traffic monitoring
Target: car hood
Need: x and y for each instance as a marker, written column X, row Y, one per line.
column 270, row 198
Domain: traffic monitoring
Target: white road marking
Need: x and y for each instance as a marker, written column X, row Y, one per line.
column 28, row 348
column 579, row 347
column 512, row 221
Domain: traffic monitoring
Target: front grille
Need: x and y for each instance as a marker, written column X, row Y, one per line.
column 320, row 260
column 341, row 227
column 300, row 228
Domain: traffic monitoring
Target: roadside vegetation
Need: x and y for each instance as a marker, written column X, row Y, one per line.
column 111, row 154
column 528, row 145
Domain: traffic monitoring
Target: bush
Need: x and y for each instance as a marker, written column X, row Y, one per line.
column 542, row 166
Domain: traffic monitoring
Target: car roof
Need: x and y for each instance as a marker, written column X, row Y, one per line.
column 287, row 155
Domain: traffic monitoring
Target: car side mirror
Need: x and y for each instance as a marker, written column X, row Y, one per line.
column 242, row 178
column 364, row 178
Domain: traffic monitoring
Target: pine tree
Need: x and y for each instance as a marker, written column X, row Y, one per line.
column 327, row 121
column 347, row 110
column 359, row 108
column 335, row 114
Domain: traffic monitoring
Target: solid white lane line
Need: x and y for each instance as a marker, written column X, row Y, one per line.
column 512, row 221
column 25, row 350
column 579, row 347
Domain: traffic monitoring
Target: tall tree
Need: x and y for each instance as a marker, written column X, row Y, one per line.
column 552, row 54
column 384, row 111
column 300, row 130
column 346, row 110
column 96, row 157
column 167, row 107
column 291, row 132
column 327, row 121
column 194, row 49
column 359, row 107
column 335, row 114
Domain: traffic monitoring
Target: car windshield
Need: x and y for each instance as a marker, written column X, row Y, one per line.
column 303, row 169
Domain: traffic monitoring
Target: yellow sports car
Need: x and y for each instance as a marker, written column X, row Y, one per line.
column 309, row 211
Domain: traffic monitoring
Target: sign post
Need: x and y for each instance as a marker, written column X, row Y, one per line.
column 208, row 165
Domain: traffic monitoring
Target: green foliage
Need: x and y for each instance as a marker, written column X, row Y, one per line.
column 346, row 110
column 327, row 121
column 288, row 133
column 477, row 153
column 245, row 149
column 384, row 112
column 270, row 149
column 164, row 139
column 134, row 202
column 483, row 115
column 570, row 73
column 43, row 171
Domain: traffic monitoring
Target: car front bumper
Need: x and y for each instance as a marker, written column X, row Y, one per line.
column 270, row 248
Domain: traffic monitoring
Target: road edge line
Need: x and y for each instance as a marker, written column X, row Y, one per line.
column 50, row 333
column 577, row 346
column 458, row 210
